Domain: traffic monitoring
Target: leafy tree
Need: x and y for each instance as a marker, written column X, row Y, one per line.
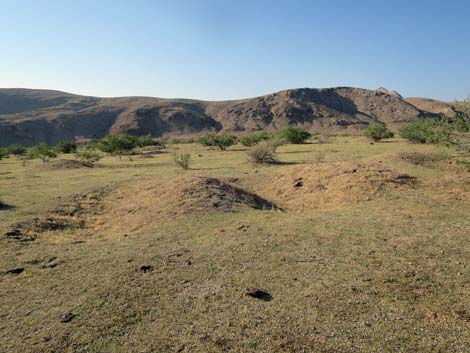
column 66, row 147
column 251, row 140
column 3, row 153
column 43, row 152
column 378, row 131
column 88, row 156
column 121, row 145
column 221, row 141
column 295, row 135
column 263, row 153
column 433, row 131
column 17, row 150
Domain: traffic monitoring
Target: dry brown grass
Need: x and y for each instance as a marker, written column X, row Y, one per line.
column 327, row 186
column 390, row 274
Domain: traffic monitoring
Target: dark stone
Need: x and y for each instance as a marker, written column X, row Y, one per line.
column 259, row 294
column 67, row 317
column 14, row 271
column 145, row 268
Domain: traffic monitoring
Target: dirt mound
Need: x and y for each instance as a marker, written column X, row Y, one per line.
column 331, row 185
column 422, row 158
column 66, row 164
column 144, row 203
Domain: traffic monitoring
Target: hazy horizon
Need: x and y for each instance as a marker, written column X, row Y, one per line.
column 217, row 51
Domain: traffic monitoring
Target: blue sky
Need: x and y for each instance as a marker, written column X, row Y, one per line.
column 210, row 49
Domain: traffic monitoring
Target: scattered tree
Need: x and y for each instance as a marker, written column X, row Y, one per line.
column 295, row 135
column 182, row 159
column 3, row 153
column 17, row 150
column 434, row 131
column 378, row 132
column 121, row 145
column 66, row 147
column 87, row 156
column 251, row 140
column 43, row 152
column 221, row 141
column 262, row 153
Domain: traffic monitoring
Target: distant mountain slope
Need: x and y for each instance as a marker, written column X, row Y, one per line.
column 31, row 116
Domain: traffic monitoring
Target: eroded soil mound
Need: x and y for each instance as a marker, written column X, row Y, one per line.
column 422, row 158
column 331, row 185
column 188, row 194
column 66, row 164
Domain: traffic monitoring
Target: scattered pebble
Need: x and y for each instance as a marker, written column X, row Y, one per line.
column 67, row 317
column 259, row 294
column 14, row 271
column 145, row 268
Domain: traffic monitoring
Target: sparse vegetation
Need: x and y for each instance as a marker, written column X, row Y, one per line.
column 3, row 153
column 66, row 147
column 432, row 131
column 221, row 141
column 17, row 150
column 88, row 156
column 377, row 132
column 182, row 159
column 295, row 135
column 43, row 152
column 250, row 140
column 210, row 241
column 121, row 145
column 262, row 153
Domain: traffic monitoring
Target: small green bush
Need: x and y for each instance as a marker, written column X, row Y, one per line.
column 378, row 132
column 120, row 145
column 3, row 153
column 221, row 141
column 66, row 147
column 182, row 159
column 432, row 131
column 251, row 140
column 295, row 135
column 88, row 156
column 43, row 152
column 262, row 153
column 17, row 150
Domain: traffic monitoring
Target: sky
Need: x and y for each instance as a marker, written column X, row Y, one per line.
column 214, row 50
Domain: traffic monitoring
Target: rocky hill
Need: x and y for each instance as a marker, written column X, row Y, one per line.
column 29, row 116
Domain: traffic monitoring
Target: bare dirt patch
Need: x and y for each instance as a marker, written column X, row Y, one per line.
column 331, row 185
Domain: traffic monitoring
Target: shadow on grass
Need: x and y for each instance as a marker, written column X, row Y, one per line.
column 6, row 207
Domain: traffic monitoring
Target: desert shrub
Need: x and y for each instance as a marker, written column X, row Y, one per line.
column 3, row 153
column 88, row 156
column 378, row 131
column 262, row 153
column 460, row 117
column 120, row 145
column 17, row 150
column 182, row 159
column 221, row 141
column 251, row 140
column 276, row 141
column 295, row 135
column 43, row 152
column 66, row 147
column 147, row 140
column 427, row 131
column 181, row 140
